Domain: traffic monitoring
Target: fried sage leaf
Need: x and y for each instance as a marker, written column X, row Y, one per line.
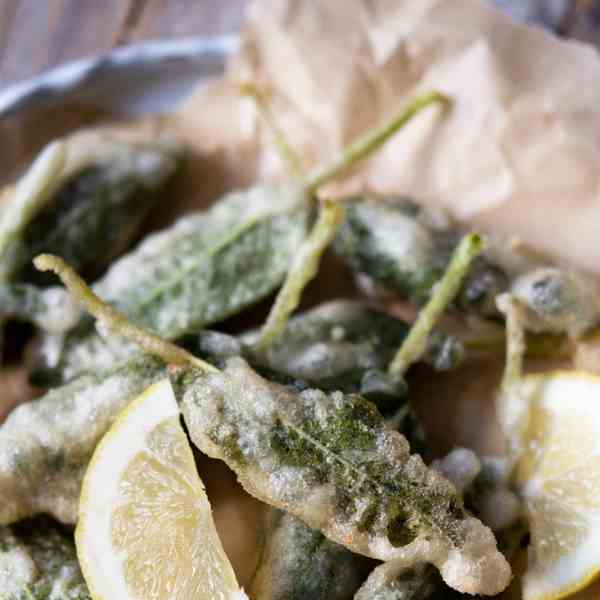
column 87, row 207
column 396, row 247
column 393, row 582
column 46, row 444
column 557, row 300
column 332, row 345
column 335, row 344
column 38, row 562
column 51, row 309
column 340, row 345
column 331, row 461
column 485, row 485
column 203, row 269
column 386, row 241
column 298, row 562
column 394, row 244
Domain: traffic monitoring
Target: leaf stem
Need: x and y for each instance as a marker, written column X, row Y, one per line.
column 372, row 140
column 515, row 340
column 443, row 293
column 538, row 345
column 115, row 320
column 303, row 269
column 286, row 150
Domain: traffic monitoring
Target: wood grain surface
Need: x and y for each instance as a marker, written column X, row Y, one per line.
column 38, row 34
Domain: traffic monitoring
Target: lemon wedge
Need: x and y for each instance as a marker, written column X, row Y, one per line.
column 145, row 528
column 558, row 476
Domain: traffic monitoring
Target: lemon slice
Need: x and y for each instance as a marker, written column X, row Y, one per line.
column 558, row 475
column 145, row 528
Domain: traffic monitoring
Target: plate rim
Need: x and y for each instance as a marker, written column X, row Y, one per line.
column 59, row 80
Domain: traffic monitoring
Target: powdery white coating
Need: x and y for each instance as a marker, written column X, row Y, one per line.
column 314, row 455
column 396, row 581
column 46, row 444
column 38, row 561
column 52, row 309
column 461, row 466
column 84, row 199
column 134, row 269
column 402, row 238
column 472, row 568
column 386, row 241
column 61, row 312
column 332, row 339
column 17, row 569
column 396, row 249
column 497, row 505
column 558, row 300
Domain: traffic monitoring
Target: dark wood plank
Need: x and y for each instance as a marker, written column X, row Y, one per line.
column 38, row 34
column 8, row 11
column 180, row 18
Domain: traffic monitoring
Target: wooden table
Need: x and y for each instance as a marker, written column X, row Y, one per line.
column 38, row 34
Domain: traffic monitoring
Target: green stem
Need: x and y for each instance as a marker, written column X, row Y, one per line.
column 443, row 293
column 539, row 345
column 515, row 340
column 286, row 150
column 372, row 140
column 303, row 269
column 115, row 320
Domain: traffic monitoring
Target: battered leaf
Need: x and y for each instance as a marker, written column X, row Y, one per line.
column 331, row 461
column 385, row 240
column 556, row 300
column 332, row 345
column 485, row 485
column 298, row 562
column 38, row 562
column 84, row 202
column 396, row 247
column 201, row 270
column 339, row 345
column 394, row 581
column 46, row 444
column 394, row 244
column 51, row 309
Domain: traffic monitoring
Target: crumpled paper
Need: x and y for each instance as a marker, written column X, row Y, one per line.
column 517, row 155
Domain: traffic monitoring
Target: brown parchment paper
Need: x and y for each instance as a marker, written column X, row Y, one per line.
column 519, row 154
